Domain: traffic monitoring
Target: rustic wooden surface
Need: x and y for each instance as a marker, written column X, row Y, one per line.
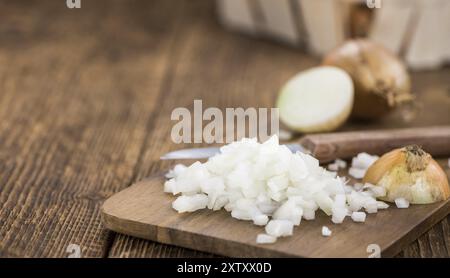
column 143, row 210
column 85, row 103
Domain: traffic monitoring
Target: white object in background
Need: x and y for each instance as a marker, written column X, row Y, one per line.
column 446, row 27
column 279, row 21
column 324, row 23
column 392, row 23
column 418, row 30
column 424, row 49
column 236, row 14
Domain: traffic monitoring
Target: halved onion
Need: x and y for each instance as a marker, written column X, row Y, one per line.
column 316, row 100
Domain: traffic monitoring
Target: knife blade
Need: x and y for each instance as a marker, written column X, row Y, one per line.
column 202, row 153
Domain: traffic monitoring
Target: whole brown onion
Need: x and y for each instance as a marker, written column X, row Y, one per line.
column 380, row 79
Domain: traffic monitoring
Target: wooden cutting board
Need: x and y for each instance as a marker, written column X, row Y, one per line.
column 144, row 210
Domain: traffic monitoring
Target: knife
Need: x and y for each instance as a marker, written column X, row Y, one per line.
column 329, row 146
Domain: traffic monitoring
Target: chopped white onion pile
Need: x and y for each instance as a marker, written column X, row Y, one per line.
column 326, row 231
column 269, row 185
column 360, row 164
column 337, row 164
column 401, row 203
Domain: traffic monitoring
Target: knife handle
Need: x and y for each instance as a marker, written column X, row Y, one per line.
column 329, row 146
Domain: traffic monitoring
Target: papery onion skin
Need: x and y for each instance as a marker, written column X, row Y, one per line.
column 380, row 79
column 424, row 185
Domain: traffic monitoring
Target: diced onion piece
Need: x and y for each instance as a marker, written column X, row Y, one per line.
column 289, row 211
column 363, row 160
column 324, row 202
column 355, row 201
column 309, row 214
column 260, row 220
column 325, row 231
column 371, row 206
column 358, row 186
column 356, row 172
column 348, row 189
column 382, row 205
column 316, row 100
column 341, row 163
column 190, row 203
column 176, row 171
column 333, row 167
column 265, row 239
column 358, row 216
column 339, row 200
column 337, row 164
column 280, row 228
column 401, row 203
column 241, row 214
column 170, row 186
column 338, row 215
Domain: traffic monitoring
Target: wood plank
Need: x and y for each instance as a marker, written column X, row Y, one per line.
column 326, row 31
column 77, row 92
column 421, row 54
column 397, row 16
column 436, row 240
column 228, row 73
column 105, row 65
column 148, row 249
column 446, row 231
column 144, row 210
column 411, row 251
column 279, row 22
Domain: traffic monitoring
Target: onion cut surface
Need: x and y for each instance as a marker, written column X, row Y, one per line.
column 316, row 100
column 270, row 186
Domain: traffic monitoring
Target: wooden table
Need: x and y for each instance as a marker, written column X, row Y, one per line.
column 85, row 102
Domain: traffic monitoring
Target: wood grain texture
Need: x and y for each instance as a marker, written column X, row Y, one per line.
column 328, row 146
column 144, row 211
column 74, row 111
column 85, row 103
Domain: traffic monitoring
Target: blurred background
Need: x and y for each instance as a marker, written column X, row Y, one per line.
column 415, row 30
column 86, row 94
